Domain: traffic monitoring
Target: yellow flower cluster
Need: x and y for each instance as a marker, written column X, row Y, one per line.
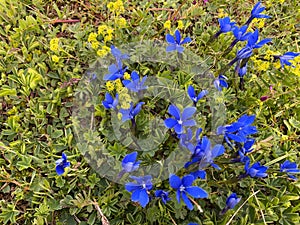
column 54, row 44
column 296, row 62
column 180, row 24
column 103, row 51
column 116, row 7
column 55, row 58
column 120, row 22
column 126, row 76
column 124, row 98
column 258, row 23
column 221, row 13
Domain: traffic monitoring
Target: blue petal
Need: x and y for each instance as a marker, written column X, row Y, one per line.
column 174, row 111
column 177, row 36
column 132, row 186
column 187, row 201
column 186, row 40
column 171, row 48
column 143, row 198
column 136, row 195
column 59, row 169
column 130, row 157
column 189, row 123
column 196, row 192
column 236, row 138
column 217, row 150
column 187, row 180
column 179, row 49
column 178, row 129
column 137, row 108
column 188, row 112
column 170, row 39
column 135, row 76
column 174, row 181
column 191, row 92
column 170, row 123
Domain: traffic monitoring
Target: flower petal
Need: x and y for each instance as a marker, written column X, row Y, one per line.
column 170, row 123
column 174, row 111
column 187, row 180
column 196, row 192
column 187, row 201
column 174, row 181
column 188, row 112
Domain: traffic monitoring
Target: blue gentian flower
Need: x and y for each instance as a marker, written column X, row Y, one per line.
column 242, row 71
column 192, row 94
column 289, row 168
column 61, row 164
column 181, row 120
column 186, row 140
column 115, row 72
column 175, row 42
column 110, row 102
column 238, row 131
column 184, row 187
column 253, row 38
column 135, row 84
column 193, row 224
column 240, row 33
column 164, row 195
column 220, row 82
column 231, row 202
column 256, row 13
column 225, row 25
column 129, row 163
column 118, row 55
column 129, row 114
column 204, row 155
column 139, row 189
column 256, row 170
column 284, row 59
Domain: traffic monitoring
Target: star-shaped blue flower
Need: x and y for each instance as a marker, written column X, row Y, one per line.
column 192, row 94
column 164, row 195
column 286, row 57
column 129, row 163
column 115, row 72
column 135, row 84
column 256, row 13
column 184, row 186
column 110, row 102
column 289, row 168
column 140, row 189
column 220, row 82
column 240, row 33
column 175, row 43
column 181, row 120
column 129, row 114
column 256, row 170
column 61, row 164
column 225, row 25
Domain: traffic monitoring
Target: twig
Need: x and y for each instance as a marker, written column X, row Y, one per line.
column 65, row 21
column 262, row 214
column 198, row 206
column 104, row 220
column 162, row 9
column 77, row 220
column 241, row 207
column 173, row 221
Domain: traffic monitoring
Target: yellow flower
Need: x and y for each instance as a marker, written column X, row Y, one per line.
column 263, row 65
column 102, row 29
column 95, row 44
column 109, row 31
column 108, row 38
column 92, row 37
column 126, row 76
column 121, row 22
column 277, row 64
column 118, row 7
column 101, row 53
column 118, row 85
column 106, row 48
column 180, row 24
column 110, row 86
column 119, row 116
column 55, row 58
column 167, row 25
column 54, row 44
column 111, row 6
column 221, row 13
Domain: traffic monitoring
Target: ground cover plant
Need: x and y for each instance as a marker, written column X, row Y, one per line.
column 149, row 112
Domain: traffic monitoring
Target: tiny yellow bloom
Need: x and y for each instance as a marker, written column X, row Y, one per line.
column 277, row 64
column 110, row 86
column 107, row 49
column 54, row 44
column 180, row 24
column 118, row 7
column 102, row 29
column 95, row 44
column 108, row 38
column 126, row 76
column 119, row 116
column 118, row 85
column 92, row 37
column 110, row 6
column 167, row 25
column 101, row 53
column 55, row 58
column 221, row 13
column 109, row 31
column 121, row 22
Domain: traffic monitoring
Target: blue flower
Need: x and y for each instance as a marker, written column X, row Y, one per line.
column 181, row 120
column 115, row 72
column 256, row 170
column 253, row 38
column 135, row 85
column 225, row 25
column 255, row 13
column 109, row 102
column 284, row 59
column 118, row 55
column 289, row 168
column 193, row 224
column 164, row 195
column 139, row 189
column 242, row 71
column 184, row 187
column 61, row 164
column 238, row 131
column 199, row 174
column 240, row 33
column 193, row 96
column 175, row 42
column 185, row 140
column 231, row 202
column 220, row 82
column 129, row 163
column 204, row 155
column 129, row 114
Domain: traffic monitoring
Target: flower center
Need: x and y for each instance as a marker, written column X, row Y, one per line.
column 180, row 122
column 181, row 188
